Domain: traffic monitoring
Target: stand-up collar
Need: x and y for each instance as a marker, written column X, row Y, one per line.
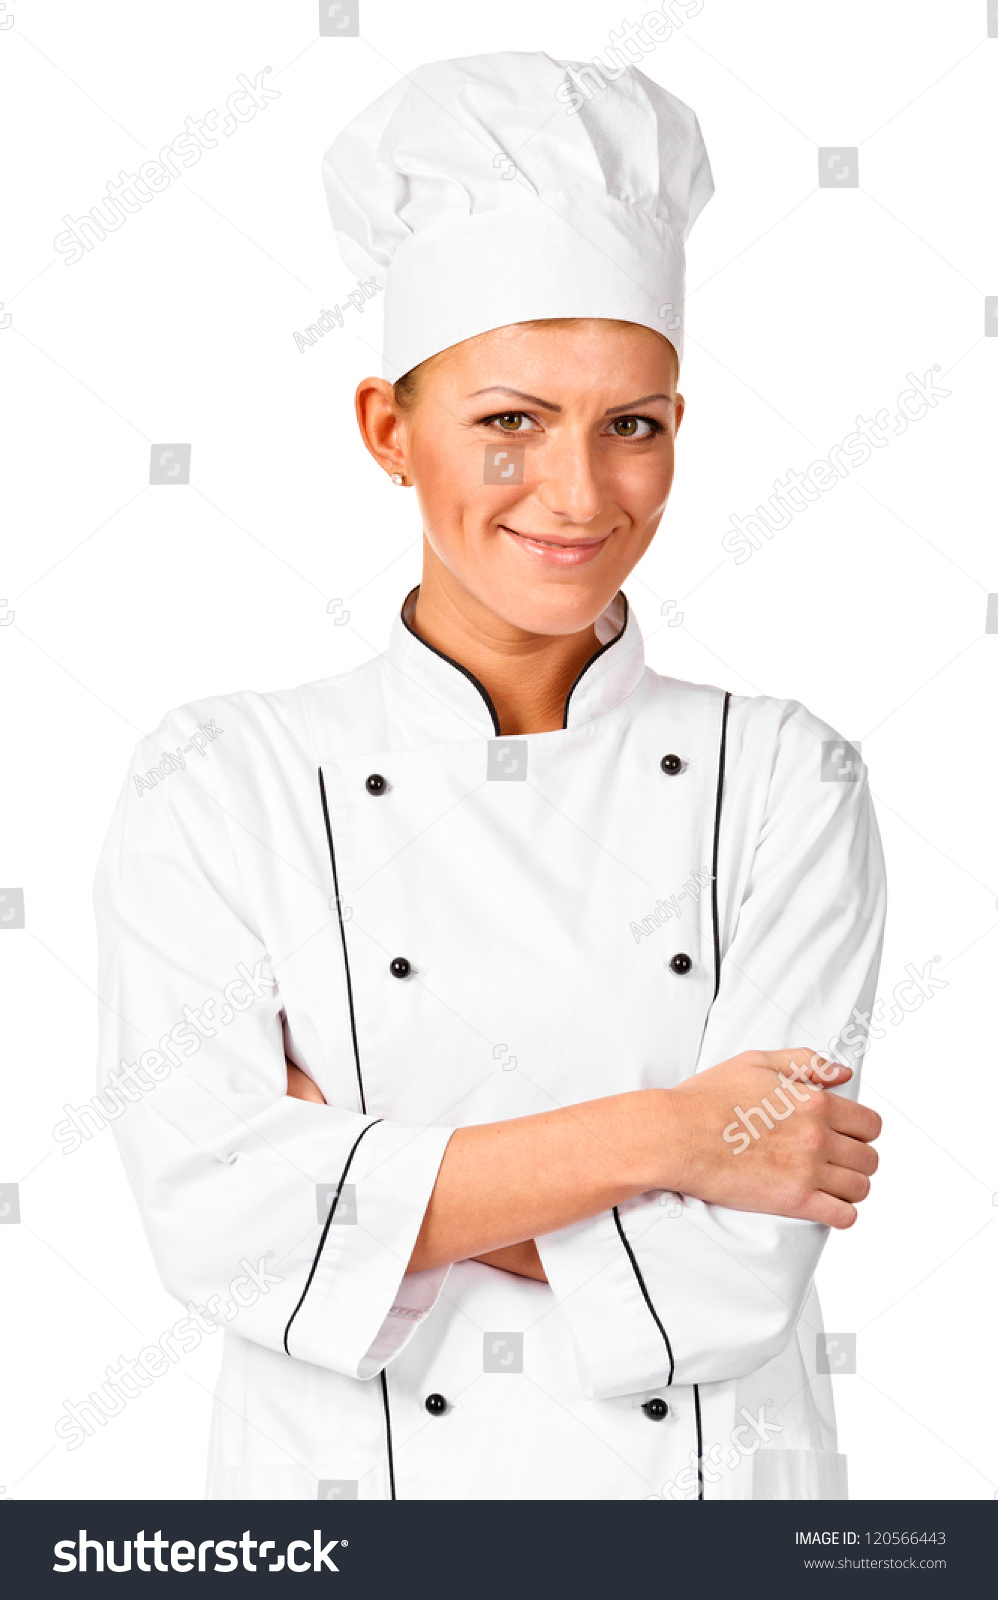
column 438, row 686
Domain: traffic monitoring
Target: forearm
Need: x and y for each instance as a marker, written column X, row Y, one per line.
column 521, row 1259
column 504, row 1182
column 501, row 1185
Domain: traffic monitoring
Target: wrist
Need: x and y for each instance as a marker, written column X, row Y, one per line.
column 669, row 1154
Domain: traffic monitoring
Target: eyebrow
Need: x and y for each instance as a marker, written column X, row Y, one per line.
column 549, row 405
column 500, row 388
column 645, row 400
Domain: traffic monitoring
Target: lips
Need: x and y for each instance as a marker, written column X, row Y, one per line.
column 555, row 552
column 556, row 544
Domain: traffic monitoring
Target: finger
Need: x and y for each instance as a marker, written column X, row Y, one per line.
column 828, row 1210
column 848, row 1116
column 805, row 1065
column 845, row 1184
column 852, row 1153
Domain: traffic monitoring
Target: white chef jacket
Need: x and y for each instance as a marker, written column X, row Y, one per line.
column 444, row 927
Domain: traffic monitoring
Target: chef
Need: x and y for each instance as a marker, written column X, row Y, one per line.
column 476, row 1017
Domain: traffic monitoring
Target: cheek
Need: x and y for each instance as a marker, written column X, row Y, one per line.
column 448, row 471
column 463, row 488
column 455, row 511
column 642, row 485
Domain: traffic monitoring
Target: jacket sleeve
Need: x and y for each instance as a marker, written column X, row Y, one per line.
column 667, row 1288
column 289, row 1222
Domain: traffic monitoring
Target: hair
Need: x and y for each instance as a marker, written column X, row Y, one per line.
column 408, row 388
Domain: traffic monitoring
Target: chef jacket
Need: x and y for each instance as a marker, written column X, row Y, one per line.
column 443, row 926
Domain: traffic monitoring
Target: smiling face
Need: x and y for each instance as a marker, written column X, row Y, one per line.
column 586, row 411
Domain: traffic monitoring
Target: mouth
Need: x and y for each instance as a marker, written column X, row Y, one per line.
column 556, row 552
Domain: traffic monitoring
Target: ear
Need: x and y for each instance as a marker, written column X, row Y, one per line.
column 381, row 424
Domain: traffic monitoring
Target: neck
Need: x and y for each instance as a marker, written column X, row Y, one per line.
column 527, row 675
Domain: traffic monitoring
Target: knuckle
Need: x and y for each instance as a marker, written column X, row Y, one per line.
column 867, row 1123
column 795, row 1197
column 812, row 1134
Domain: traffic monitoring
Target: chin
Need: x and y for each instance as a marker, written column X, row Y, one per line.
column 549, row 607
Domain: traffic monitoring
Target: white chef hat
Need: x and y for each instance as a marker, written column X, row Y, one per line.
column 479, row 192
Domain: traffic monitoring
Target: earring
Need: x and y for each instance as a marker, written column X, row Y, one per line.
column 397, row 478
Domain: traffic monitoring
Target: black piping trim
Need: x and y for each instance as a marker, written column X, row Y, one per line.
column 715, row 924
column 644, row 1290
column 343, row 940
column 717, row 981
column 388, row 1430
column 493, row 713
column 717, row 835
column 363, row 1103
column 332, row 1208
column 696, row 1408
column 600, row 652
column 481, row 687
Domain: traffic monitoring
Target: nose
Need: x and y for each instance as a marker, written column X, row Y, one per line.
column 569, row 486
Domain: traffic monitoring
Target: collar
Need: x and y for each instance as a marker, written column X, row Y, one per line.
column 435, row 684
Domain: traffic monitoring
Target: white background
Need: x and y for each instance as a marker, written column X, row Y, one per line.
column 806, row 306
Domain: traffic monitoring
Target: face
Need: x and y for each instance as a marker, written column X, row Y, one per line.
column 587, row 414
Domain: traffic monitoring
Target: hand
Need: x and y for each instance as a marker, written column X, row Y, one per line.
column 815, row 1163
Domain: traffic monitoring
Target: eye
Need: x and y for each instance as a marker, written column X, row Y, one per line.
column 630, row 427
column 508, row 422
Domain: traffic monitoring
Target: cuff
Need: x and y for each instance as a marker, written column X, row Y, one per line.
column 620, row 1336
column 670, row 1289
column 361, row 1306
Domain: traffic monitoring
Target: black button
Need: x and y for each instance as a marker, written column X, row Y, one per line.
column 436, row 1405
column 669, row 764
column 375, row 784
column 656, row 1409
column 680, row 963
column 400, row 967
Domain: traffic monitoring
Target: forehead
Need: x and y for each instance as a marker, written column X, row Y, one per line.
column 581, row 353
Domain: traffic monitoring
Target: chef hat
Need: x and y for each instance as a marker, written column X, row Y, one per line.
column 480, row 192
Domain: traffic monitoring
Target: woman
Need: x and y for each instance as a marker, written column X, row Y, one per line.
column 558, row 951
